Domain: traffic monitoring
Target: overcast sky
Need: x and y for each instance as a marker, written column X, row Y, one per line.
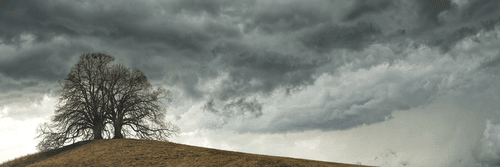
column 378, row 82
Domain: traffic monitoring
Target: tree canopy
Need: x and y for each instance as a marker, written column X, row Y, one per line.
column 96, row 94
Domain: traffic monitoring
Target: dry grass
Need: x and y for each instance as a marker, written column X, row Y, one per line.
column 132, row 152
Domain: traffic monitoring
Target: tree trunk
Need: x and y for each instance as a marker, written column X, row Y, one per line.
column 118, row 129
column 97, row 131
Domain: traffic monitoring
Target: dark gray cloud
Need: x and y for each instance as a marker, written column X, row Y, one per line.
column 262, row 46
column 447, row 41
column 491, row 62
column 212, row 7
column 132, row 26
column 11, row 85
column 444, row 30
column 480, row 9
column 191, row 30
column 44, row 64
column 430, row 10
column 29, row 83
column 361, row 7
column 440, row 23
column 489, row 25
column 276, row 17
column 239, row 107
column 331, row 36
column 188, row 83
column 124, row 20
column 269, row 70
column 464, row 21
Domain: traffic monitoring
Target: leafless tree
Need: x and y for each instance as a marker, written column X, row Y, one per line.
column 96, row 94
column 80, row 111
column 135, row 106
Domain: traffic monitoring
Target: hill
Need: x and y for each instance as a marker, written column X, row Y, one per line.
column 132, row 152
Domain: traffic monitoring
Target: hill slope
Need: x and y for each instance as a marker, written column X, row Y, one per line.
column 132, row 152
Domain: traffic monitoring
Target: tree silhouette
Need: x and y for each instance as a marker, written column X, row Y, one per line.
column 96, row 94
column 133, row 105
column 80, row 110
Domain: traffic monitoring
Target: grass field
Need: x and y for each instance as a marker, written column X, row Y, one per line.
column 132, row 152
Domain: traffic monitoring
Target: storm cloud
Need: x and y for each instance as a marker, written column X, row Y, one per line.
column 268, row 67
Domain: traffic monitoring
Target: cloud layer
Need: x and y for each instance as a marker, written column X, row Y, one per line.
column 266, row 67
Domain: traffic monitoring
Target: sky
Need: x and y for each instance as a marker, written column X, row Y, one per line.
column 380, row 82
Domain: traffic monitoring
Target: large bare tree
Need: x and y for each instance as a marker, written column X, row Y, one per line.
column 96, row 94
column 80, row 112
column 133, row 105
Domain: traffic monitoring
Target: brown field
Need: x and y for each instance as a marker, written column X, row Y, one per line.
column 132, row 152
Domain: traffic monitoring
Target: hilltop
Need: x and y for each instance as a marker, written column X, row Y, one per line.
column 133, row 152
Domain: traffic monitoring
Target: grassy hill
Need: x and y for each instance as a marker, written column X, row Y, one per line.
column 132, row 152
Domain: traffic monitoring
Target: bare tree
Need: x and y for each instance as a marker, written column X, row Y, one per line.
column 134, row 105
column 81, row 111
column 96, row 94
